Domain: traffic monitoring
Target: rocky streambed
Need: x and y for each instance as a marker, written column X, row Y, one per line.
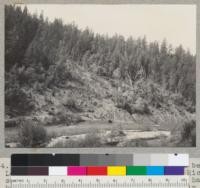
column 111, row 138
column 98, row 134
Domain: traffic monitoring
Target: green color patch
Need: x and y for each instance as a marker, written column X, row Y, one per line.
column 136, row 170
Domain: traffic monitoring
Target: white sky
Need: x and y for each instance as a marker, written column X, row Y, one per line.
column 176, row 23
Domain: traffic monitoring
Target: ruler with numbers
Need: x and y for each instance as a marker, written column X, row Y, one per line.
column 100, row 182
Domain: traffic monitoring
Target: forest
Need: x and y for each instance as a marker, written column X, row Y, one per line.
column 44, row 59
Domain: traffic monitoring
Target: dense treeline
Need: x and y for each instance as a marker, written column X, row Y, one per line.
column 39, row 55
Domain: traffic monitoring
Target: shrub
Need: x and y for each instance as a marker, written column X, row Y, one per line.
column 32, row 134
column 91, row 140
column 128, row 108
column 190, row 107
column 178, row 99
column 19, row 101
column 185, row 134
column 66, row 71
column 146, row 109
column 139, row 107
column 124, row 104
column 72, row 105
column 135, row 109
column 61, row 118
column 101, row 71
column 66, row 118
column 188, row 132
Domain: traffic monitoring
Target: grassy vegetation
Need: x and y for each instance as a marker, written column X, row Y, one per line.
column 32, row 134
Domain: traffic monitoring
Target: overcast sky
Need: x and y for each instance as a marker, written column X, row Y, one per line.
column 176, row 23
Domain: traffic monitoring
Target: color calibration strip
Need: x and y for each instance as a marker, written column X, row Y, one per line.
column 97, row 171
column 100, row 160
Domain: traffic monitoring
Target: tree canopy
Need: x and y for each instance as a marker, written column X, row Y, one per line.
column 35, row 49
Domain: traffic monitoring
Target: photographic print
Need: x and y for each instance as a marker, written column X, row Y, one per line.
column 90, row 76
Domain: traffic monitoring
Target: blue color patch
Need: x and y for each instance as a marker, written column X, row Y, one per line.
column 155, row 170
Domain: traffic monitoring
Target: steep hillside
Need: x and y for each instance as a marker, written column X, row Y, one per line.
column 95, row 97
column 87, row 97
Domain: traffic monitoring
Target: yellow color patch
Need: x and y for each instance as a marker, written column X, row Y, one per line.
column 116, row 171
